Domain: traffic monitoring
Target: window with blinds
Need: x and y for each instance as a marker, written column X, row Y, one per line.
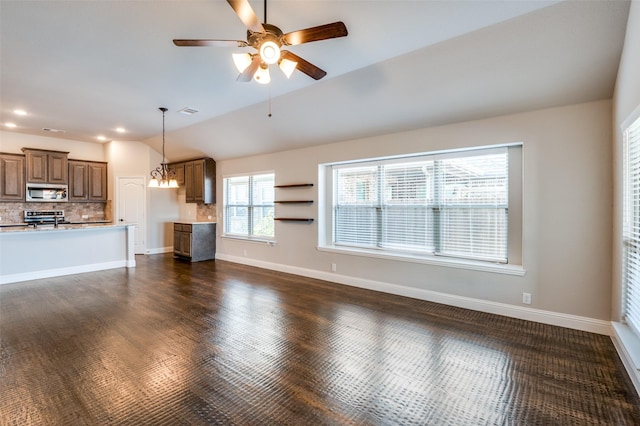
column 248, row 206
column 453, row 204
column 631, row 228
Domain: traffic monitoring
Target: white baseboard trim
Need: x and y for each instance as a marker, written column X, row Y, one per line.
column 538, row 315
column 628, row 346
column 160, row 250
column 50, row 273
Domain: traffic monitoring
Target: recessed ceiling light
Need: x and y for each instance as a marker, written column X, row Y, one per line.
column 11, row 125
column 101, row 138
column 19, row 112
column 120, row 129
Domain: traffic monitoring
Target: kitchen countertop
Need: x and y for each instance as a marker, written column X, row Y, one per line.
column 79, row 222
column 193, row 222
column 21, row 227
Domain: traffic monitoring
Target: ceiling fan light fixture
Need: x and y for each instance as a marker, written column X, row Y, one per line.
column 269, row 52
column 241, row 61
column 262, row 75
column 288, row 67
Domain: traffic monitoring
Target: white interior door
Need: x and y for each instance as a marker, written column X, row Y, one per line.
column 131, row 208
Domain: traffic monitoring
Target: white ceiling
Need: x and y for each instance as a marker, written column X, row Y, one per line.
column 87, row 67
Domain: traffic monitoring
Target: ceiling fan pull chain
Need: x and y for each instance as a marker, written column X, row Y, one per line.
column 269, row 98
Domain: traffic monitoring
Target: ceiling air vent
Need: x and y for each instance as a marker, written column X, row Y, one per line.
column 188, row 111
column 50, row 130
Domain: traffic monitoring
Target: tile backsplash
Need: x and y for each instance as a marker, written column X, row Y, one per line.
column 14, row 212
column 204, row 211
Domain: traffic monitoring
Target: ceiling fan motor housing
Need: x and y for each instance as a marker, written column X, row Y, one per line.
column 272, row 33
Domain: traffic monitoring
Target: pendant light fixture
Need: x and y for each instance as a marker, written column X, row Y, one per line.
column 162, row 176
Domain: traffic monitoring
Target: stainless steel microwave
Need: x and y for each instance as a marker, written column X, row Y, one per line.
column 47, row 192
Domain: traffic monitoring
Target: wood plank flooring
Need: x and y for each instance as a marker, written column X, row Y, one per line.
column 172, row 343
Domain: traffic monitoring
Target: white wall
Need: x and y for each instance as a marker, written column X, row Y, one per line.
column 567, row 211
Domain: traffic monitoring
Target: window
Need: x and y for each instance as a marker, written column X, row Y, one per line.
column 248, row 206
column 453, row 204
column 631, row 228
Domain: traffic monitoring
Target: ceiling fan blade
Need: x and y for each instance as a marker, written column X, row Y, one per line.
column 247, row 15
column 213, row 43
column 322, row 32
column 248, row 73
column 306, row 67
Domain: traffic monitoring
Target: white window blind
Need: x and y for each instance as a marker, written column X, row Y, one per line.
column 249, row 207
column 631, row 229
column 449, row 205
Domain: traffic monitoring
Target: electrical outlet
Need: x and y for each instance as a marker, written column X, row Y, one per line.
column 244, row 253
column 333, row 267
column 526, row 298
column 85, row 216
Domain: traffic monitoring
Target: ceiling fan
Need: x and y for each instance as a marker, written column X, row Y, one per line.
column 268, row 39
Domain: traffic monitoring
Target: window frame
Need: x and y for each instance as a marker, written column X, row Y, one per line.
column 630, row 237
column 250, row 205
column 514, row 264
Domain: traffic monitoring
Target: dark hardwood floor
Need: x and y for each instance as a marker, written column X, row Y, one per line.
column 170, row 343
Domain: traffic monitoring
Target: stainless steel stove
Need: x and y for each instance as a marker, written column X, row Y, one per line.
column 44, row 217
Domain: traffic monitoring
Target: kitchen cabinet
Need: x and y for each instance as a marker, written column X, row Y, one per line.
column 194, row 241
column 198, row 178
column 87, row 181
column 12, row 187
column 46, row 166
column 178, row 169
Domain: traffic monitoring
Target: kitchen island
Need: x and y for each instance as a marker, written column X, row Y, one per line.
column 28, row 253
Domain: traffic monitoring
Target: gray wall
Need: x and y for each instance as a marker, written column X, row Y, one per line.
column 567, row 211
column 626, row 104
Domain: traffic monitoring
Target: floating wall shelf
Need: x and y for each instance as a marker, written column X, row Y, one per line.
column 294, row 202
column 295, row 185
column 294, row 219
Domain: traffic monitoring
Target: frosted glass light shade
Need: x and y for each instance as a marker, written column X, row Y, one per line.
column 262, row 76
column 287, row 67
column 241, row 61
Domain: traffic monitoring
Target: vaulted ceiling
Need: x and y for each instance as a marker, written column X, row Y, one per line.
column 87, row 67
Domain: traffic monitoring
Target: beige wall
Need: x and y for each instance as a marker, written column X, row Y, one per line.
column 567, row 210
column 626, row 104
column 135, row 159
column 14, row 142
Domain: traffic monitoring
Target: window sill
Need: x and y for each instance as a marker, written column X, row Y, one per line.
column 249, row 239
column 498, row 268
column 630, row 341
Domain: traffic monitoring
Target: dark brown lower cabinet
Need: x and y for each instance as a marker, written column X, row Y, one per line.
column 194, row 241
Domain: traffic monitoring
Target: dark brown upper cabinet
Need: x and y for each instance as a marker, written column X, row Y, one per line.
column 12, row 187
column 198, row 178
column 46, row 166
column 87, row 181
